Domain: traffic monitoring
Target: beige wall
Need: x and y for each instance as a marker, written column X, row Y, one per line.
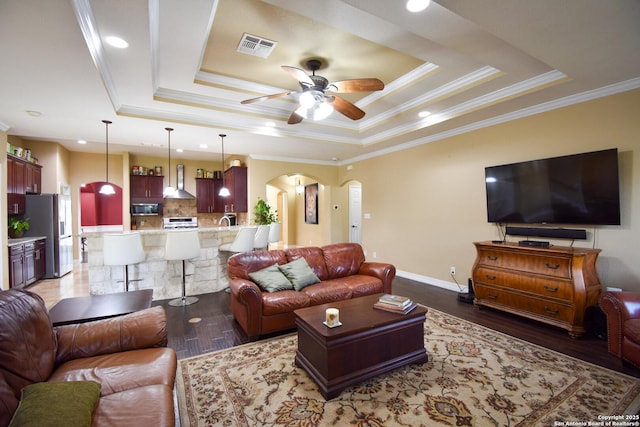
column 428, row 205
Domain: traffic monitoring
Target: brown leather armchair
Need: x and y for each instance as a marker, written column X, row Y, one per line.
column 623, row 324
column 126, row 355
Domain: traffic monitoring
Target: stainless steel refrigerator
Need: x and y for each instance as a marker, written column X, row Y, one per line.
column 50, row 216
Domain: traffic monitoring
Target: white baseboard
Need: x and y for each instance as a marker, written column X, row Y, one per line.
column 432, row 281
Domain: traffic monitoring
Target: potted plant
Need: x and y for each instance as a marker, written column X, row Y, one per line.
column 17, row 227
column 263, row 214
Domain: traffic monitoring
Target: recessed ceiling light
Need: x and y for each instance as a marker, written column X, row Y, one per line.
column 179, row 150
column 424, row 114
column 82, row 141
column 204, row 146
column 117, row 42
column 270, row 124
column 417, row 5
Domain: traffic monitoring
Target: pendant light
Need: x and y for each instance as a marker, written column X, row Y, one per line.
column 107, row 189
column 224, row 191
column 169, row 190
column 299, row 188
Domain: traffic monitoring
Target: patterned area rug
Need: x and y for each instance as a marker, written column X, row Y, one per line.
column 474, row 377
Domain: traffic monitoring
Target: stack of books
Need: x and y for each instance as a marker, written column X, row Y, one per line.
column 395, row 304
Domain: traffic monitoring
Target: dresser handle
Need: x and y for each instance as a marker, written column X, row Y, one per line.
column 550, row 289
column 553, row 267
column 492, row 296
column 492, row 258
column 549, row 311
column 491, row 277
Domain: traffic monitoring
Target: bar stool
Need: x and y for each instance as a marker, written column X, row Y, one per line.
column 274, row 232
column 261, row 239
column 123, row 249
column 180, row 246
column 243, row 241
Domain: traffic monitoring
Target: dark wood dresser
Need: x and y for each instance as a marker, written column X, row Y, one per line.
column 554, row 285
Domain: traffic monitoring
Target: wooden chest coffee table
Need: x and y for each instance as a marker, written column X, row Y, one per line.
column 370, row 342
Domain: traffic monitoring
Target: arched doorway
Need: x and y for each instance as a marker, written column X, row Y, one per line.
column 99, row 212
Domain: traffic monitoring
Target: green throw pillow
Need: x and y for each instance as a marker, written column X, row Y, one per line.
column 271, row 279
column 63, row 404
column 299, row 273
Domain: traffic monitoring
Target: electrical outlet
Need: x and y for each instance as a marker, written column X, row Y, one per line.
column 453, row 271
column 375, row 255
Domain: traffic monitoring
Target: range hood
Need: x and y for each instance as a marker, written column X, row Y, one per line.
column 180, row 192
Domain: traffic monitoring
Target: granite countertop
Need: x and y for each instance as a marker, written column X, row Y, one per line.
column 163, row 230
column 21, row 240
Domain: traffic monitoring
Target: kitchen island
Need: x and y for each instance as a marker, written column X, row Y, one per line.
column 205, row 274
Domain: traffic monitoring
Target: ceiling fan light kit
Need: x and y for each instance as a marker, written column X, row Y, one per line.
column 313, row 102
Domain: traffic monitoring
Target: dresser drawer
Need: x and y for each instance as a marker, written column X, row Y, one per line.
column 549, row 265
column 546, row 287
column 552, row 310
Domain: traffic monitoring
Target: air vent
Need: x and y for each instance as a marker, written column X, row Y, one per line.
column 256, row 46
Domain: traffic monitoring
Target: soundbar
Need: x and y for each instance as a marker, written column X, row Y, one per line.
column 559, row 233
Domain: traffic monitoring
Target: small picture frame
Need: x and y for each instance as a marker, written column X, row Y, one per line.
column 311, row 203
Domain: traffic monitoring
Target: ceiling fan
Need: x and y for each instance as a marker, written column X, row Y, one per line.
column 313, row 102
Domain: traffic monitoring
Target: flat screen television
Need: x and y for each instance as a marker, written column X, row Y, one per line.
column 576, row 189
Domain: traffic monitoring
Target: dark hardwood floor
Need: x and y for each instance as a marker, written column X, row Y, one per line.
column 209, row 326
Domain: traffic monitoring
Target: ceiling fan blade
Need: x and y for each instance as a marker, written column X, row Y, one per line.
column 356, row 85
column 264, row 98
column 347, row 108
column 298, row 74
column 295, row 117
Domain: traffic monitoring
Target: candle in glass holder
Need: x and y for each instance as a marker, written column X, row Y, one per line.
column 332, row 317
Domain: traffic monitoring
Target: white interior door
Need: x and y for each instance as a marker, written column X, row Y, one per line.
column 355, row 213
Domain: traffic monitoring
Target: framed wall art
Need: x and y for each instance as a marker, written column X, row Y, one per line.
column 311, row 203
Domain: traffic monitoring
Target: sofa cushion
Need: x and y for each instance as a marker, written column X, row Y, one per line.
column 299, row 273
column 362, row 285
column 313, row 256
column 241, row 264
column 122, row 371
column 271, row 279
column 342, row 259
column 327, row 291
column 283, row 302
column 631, row 330
column 151, row 405
column 64, row 404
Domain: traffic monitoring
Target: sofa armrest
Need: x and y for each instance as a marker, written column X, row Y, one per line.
column 246, row 306
column 618, row 307
column 383, row 271
column 142, row 329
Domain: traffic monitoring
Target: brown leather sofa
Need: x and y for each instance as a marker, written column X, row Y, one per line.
column 623, row 324
column 341, row 267
column 126, row 355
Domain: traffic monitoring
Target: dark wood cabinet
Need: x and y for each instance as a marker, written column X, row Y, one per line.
column 27, row 263
column 33, row 178
column 553, row 285
column 15, row 186
column 22, row 177
column 208, row 200
column 235, row 179
column 146, row 188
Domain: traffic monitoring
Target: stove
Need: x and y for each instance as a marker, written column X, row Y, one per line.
column 180, row 222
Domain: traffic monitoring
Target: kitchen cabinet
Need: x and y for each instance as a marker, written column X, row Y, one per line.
column 15, row 186
column 235, row 179
column 553, row 285
column 208, row 200
column 22, row 177
column 146, row 188
column 33, row 178
column 27, row 263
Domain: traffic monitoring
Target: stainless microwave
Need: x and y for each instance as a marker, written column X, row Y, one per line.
column 142, row 209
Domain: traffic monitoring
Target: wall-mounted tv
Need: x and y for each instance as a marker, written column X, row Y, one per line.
column 576, row 189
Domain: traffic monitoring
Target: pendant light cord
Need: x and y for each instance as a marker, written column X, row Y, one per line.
column 169, row 168
column 107, row 123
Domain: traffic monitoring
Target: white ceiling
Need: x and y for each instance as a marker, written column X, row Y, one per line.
column 470, row 63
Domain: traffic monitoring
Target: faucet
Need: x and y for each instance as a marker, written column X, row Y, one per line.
column 222, row 220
